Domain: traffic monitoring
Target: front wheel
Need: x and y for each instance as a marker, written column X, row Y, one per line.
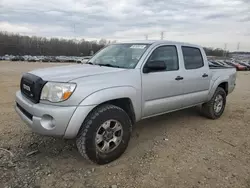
column 214, row 108
column 105, row 134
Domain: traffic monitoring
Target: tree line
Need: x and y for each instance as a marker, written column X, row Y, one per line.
column 15, row 44
column 216, row 52
column 241, row 53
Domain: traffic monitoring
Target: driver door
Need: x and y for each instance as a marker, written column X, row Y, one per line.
column 162, row 90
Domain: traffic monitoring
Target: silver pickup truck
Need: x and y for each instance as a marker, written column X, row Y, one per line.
column 99, row 102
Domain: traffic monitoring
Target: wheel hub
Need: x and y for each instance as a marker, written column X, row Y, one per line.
column 109, row 136
column 218, row 103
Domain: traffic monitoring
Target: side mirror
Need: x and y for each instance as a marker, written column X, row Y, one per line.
column 154, row 66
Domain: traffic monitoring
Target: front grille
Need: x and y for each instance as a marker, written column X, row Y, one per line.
column 31, row 86
column 24, row 111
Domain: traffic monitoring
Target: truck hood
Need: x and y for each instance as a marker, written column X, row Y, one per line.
column 72, row 72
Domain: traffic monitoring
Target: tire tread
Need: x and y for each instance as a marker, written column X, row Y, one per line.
column 207, row 108
column 81, row 137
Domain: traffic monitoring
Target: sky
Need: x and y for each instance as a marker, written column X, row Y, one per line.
column 212, row 23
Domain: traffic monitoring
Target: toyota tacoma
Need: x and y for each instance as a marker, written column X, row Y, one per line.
column 98, row 103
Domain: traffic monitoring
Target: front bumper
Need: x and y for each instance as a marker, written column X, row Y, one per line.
column 51, row 120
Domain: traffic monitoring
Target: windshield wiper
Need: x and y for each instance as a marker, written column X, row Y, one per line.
column 109, row 65
column 89, row 63
column 106, row 65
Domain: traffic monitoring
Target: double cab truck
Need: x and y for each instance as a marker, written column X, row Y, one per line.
column 98, row 103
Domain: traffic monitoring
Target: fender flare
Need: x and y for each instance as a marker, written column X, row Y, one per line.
column 112, row 93
column 98, row 97
column 215, row 85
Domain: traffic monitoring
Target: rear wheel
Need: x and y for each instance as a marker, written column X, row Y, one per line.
column 105, row 134
column 214, row 108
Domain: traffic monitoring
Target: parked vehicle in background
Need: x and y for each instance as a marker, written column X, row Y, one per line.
column 238, row 66
column 71, row 60
column 221, row 62
column 78, row 61
column 17, row 58
column 62, row 58
column 244, row 64
column 26, row 57
column 46, row 59
column 54, row 59
column 99, row 102
column 32, row 59
column 8, row 57
column 85, row 59
column 29, row 58
column 241, row 67
column 213, row 64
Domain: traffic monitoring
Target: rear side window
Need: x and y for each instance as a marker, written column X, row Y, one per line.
column 192, row 57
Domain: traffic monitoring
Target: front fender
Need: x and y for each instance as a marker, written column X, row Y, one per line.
column 99, row 97
column 113, row 93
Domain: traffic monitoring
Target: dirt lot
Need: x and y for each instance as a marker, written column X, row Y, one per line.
column 181, row 149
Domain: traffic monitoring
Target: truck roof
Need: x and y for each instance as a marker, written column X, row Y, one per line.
column 156, row 42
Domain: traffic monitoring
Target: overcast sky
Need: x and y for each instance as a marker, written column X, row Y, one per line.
column 204, row 22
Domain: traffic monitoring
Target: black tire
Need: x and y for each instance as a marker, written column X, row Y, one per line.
column 85, row 140
column 208, row 108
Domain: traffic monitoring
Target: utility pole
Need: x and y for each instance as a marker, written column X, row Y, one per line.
column 75, row 40
column 146, row 36
column 162, row 35
column 225, row 49
column 238, row 46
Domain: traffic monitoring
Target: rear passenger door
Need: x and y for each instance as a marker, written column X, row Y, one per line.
column 196, row 76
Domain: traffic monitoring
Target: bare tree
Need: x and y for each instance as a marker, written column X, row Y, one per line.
column 15, row 44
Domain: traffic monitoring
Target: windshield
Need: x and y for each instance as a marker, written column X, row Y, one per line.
column 120, row 55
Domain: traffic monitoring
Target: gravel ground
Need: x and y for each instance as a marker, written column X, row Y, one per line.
column 181, row 149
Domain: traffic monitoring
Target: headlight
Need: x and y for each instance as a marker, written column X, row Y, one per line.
column 57, row 92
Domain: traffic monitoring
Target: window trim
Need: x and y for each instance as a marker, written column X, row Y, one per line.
column 178, row 60
column 184, row 58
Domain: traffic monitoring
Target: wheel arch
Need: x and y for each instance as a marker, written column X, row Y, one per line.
column 223, row 83
column 125, row 97
column 123, row 103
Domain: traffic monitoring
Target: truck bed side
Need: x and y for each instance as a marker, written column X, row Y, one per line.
column 225, row 77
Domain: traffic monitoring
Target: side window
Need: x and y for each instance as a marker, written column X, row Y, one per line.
column 192, row 57
column 168, row 54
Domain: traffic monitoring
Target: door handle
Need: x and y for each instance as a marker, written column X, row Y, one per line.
column 179, row 78
column 205, row 75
